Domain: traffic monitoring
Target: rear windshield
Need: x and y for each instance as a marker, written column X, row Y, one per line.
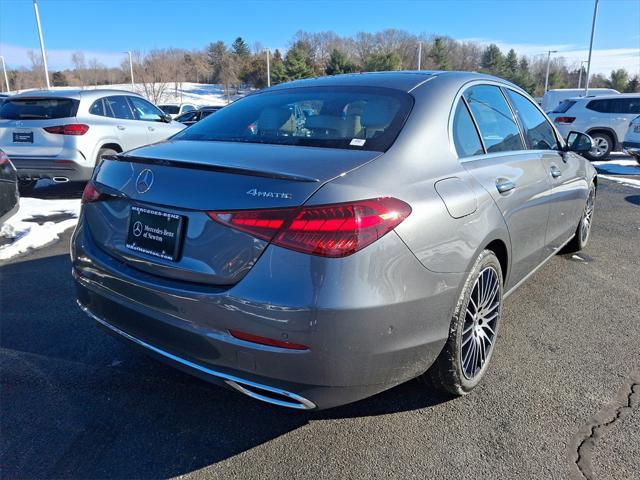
column 563, row 106
column 170, row 109
column 38, row 108
column 359, row 118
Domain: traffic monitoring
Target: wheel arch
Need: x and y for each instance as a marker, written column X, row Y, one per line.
column 609, row 131
column 499, row 248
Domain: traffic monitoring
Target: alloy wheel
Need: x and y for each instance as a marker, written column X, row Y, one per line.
column 587, row 217
column 600, row 147
column 482, row 315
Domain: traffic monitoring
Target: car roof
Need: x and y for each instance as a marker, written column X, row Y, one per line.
column 77, row 93
column 606, row 97
column 404, row 80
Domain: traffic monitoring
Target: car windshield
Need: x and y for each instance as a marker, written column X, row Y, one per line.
column 564, row 106
column 170, row 109
column 362, row 118
column 38, row 108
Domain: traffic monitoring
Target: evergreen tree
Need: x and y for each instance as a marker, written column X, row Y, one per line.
column 297, row 62
column 524, row 78
column 511, row 67
column 216, row 53
column 492, row 60
column 439, row 55
column 634, row 85
column 619, row 79
column 339, row 63
column 380, row 62
column 240, row 48
column 278, row 72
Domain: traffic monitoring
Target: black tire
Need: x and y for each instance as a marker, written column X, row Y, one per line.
column 583, row 231
column 603, row 144
column 450, row 372
column 105, row 151
column 26, row 187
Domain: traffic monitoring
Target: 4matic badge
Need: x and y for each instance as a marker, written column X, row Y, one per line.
column 254, row 192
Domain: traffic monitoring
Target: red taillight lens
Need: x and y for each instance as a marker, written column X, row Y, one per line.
column 4, row 159
column 564, row 119
column 69, row 129
column 91, row 193
column 335, row 230
column 248, row 337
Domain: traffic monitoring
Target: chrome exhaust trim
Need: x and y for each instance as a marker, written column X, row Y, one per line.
column 60, row 179
column 274, row 396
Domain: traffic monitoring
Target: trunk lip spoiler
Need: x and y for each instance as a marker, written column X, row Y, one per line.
column 238, row 170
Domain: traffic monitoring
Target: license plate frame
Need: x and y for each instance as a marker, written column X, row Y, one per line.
column 22, row 137
column 155, row 232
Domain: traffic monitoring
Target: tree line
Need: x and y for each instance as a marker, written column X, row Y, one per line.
column 309, row 54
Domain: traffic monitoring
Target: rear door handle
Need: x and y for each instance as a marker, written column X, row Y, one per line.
column 121, row 127
column 503, row 185
column 555, row 172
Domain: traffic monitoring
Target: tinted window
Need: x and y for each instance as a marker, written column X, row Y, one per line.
column 170, row 109
column 625, row 105
column 602, row 106
column 144, row 110
column 360, row 118
column 564, row 106
column 465, row 135
column 38, row 108
column 188, row 108
column 497, row 126
column 537, row 130
column 97, row 108
column 206, row 113
column 187, row 117
column 118, row 106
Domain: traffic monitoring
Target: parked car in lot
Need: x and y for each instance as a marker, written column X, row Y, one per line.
column 605, row 118
column 631, row 143
column 60, row 135
column 553, row 98
column 311, row 264
column 9, row 196
column 3, row 97
column 195, row 116
column 176, row 109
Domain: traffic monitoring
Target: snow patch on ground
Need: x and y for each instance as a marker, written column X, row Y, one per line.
column 632, row 182
column 30, row 228
column 622, row 166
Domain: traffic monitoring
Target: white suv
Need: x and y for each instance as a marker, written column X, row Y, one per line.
column 606, row 118
column 61, row 135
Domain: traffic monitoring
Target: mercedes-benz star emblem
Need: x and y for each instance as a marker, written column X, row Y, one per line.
column 145, row 180
column 137, row 229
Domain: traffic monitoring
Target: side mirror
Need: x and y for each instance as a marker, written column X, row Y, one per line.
column 578, row 142
column 166, row 118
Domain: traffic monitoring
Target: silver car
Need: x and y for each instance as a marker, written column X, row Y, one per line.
column 60, row 135
column 311, row 262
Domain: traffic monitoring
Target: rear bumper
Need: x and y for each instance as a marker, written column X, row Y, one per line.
column 357, row 347
column 34, row 168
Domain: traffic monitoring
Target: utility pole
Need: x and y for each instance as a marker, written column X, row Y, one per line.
column 546, row 78
column 419, row 55
column 593, row 31
column 44, row 56
column 133, row 86
column 4, row 70
column 580, row 73
column 268, row 52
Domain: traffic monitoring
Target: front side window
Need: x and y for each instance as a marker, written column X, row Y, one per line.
column 537, row 130
column 188, row 108
column 625, row 105
column 493, row 116
column 465, row 135
column 187, row 117
column 118, row 107
column 144, row 110
column 356, row 118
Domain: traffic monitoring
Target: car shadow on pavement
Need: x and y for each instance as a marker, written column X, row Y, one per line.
column 78, row 403
column 634, row 199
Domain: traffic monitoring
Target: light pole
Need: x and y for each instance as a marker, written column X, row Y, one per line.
column 546, row 78
column 419, row 54
column 580, row 73
column 593, row 31
column 44, row 56
column 4, row 70
column 268, row 52
column 133, row 86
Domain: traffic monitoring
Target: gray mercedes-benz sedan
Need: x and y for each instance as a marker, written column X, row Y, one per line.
column 326, row 239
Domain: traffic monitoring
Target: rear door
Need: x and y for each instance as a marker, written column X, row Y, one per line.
column 623, row 110
column 513, row 176
column 568, row 188
column 130, row 131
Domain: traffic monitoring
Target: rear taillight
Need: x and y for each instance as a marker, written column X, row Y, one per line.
column 91, row 193
column 565, row 120
column 69, row 129
column 4, row 159
column 335, row 230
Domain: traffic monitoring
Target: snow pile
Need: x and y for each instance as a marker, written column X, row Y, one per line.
column 35, row 225
column 624, row 167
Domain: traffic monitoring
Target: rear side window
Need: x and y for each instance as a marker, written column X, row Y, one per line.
column 493, row 116
column 356, row 118
column 97, row 108
column 602, row 106
column 38, row 108
column 118, row 107
column 564, row 106
column 465, row 135
column 537, row 130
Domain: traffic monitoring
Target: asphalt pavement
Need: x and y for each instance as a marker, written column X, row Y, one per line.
column 561, row 399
